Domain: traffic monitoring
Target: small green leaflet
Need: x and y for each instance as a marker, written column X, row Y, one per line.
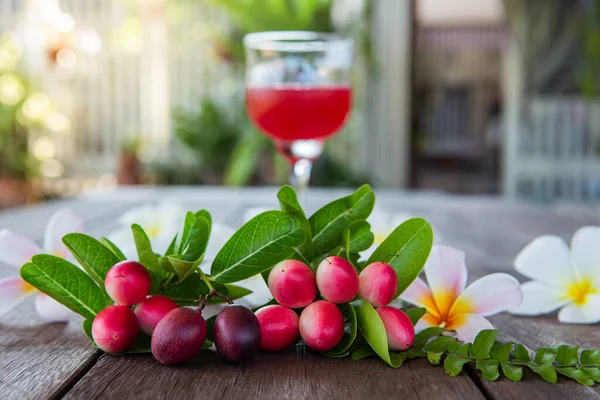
column 288, row 202
column 113, row 247
column 372, row 329
column 361, row 237
column 328, row 223
column 189, row 291
column 488, row 368
column 483, row 343
column 416, row 314
column 453, row 364
column 567, row 355
column 197, row 239
column 65, row 283
column 258, row 245
column 406, row 249
column 146, row 256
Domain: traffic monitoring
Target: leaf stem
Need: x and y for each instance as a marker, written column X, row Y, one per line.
column 207, row 281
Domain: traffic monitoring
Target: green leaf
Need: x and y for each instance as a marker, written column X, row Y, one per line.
column 416, row 314
column 434, row 358
column 415, row 353
column 501, row 351
column 453, row 364
column 346, row 242
column 521, row 354
column 488, row 368
column 460, row 349
column 197, row 239
column 483, row 343
column 576, row 374
column 182, row 236
column 187, row 292
column 363, row 352
column 590, row 357
column 171, row 249
column 328, row 223
column 258, row 245
column 350, row 331
column 567, row 355
column 406, row 249
column 146, row 256
column 546, row 371
column 423, row 337
column 232, row 291
column 65, row 283
column 361, row 237
column 512, row 372
column 373, row 330
column 183, row 268
column 288, row 201
column 113, row 247
column 95, row 258
column 591, row 372
column 545, row 355
column 440, row 344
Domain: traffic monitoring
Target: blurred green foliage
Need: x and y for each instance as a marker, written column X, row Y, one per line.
column 589, row 29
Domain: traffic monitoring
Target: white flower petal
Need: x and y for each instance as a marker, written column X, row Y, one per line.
column 60, row 224
column 489, row 295
column 539, row 298
column 585, row 253
column 546, row 259
column 13, row 290
column 219, row 235
column 123, row 239
column 427, row 321
column 16, row 250
column 588, row 313
column 446, row 274
column 419, row 294
column 468, row 326
column 51, row 310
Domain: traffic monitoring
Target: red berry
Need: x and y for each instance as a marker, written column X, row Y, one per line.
column 278, row 327
column 398, row 327
column 127, row 283
column 152, row 310
column 321, row 325
column 378, row 284
column 293, row 284
column 179, row 336
column 115, row 329
column 337, row 280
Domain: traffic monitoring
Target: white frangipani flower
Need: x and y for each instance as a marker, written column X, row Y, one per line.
column 16, row 250
column 563, row 279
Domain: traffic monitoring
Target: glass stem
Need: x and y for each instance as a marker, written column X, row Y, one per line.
column 299, row 177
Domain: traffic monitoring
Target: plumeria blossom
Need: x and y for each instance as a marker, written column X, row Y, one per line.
column 451, row 304
column 16, row 250
column 161, row 222
column 562, row 278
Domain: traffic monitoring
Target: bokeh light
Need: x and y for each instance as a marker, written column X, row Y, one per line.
column 10, row 52
column 52, row 168
column 36, row 106
column 88, row 41
column 11, row 89
column 57, row 122
column 43, row 148
column 66, row 58
column 63, row 22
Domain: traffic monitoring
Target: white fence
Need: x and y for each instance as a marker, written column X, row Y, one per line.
column 558, row 155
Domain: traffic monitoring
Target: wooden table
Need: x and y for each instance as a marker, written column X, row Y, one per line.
column 56, row 360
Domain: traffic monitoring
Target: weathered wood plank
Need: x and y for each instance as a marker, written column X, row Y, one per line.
column 295, row 374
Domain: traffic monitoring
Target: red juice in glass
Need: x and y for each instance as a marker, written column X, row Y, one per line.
column 295, row 112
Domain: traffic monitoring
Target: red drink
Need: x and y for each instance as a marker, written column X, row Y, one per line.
column 291, row 113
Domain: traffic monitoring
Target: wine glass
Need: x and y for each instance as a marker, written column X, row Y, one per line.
column 298, row 93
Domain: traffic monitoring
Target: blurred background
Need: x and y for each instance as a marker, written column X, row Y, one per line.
column 468, row 96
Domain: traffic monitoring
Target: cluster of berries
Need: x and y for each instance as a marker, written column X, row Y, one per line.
column 178, row 333
column 294, row 285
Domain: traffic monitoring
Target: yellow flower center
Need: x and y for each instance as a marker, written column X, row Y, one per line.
column 26, row 287
column 153, row 231
column 379, row 237
column 579, row 292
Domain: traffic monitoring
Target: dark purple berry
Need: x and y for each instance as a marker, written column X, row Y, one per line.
column 237, row 333
column 179, row 336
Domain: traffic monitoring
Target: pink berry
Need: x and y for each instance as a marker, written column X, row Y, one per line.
column 321, row 325
column 378, row 284
column 115, row 329
column 337, row 280
column 293, row 284
column 398, row 327
column 278, row 327
column 152, row 310
column 127, row 283
column 179, row 336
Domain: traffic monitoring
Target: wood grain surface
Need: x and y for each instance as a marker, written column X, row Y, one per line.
column 55, row 360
